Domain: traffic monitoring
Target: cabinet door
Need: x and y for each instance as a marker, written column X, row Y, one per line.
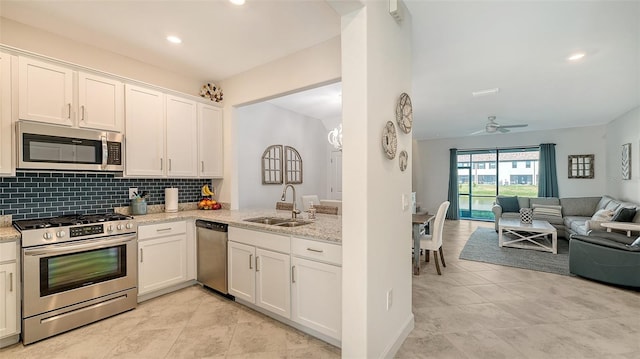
column 100, row 102
column 6, row 148
column 45, row 92
column 182, row 134
column 317, row 296
column 242, row 277
column 273, row 291
column 8, row 299
column 162, row 262
column 210, row 141
column 144, row 136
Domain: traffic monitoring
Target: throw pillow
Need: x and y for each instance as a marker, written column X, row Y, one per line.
column 547, row 210
column 602, row 215
column 624, row 215
column 509, row 204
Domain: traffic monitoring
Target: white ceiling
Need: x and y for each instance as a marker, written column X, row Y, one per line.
column 459, row 47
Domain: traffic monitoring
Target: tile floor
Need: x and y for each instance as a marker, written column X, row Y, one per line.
column 474, row 310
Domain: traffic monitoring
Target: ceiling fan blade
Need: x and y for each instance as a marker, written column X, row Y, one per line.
column 513, row 126
column 477, row 132
column 503, row 130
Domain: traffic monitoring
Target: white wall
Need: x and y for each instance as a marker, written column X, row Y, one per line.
column 262, row 125
column 431, row 164
column 308, row 68
column 376, row 235
column 625, row 129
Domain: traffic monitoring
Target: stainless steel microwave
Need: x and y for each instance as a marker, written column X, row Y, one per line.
column 43, row 146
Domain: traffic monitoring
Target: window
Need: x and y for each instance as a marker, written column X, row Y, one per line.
column 514, row 164
column 492, row 165
column 481, row 165
column 527, row 164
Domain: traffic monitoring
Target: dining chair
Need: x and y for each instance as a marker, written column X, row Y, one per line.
column 433, row 241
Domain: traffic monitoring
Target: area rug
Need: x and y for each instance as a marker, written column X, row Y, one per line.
column 482, row 246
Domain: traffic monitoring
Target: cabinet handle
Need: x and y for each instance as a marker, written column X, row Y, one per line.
column 293, row 274
column 257, row 264
column 315, row 250
column 11, row 282
column 160, row 164
column 82, row 113
column 69, row 104
column 250, row 261
column 202, row 166
column 141, row 256
column 163, row 229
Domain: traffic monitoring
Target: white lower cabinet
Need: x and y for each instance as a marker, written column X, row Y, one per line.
column 259, row 269
column 162, row 256
column 316, row 296
column 299, row 279
column 9, row 303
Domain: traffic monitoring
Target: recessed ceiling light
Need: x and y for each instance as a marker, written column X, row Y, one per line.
column 237, row 2
column 485, row 92
column 174, row 39
column 577, row 56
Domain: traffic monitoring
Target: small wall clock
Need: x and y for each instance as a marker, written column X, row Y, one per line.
column 404, row 113
column 389, row 140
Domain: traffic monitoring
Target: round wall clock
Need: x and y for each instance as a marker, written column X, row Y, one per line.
column 403, row 158
column 404, row 113
column 389, row 140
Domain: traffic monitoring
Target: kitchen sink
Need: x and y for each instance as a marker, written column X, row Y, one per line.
column 267, row 220
column 278, row 221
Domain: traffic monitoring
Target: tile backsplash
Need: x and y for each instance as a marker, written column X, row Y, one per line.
column 37, row 194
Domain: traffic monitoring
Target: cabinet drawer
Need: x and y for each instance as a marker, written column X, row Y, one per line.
column 161, row 230
column 322, row 251
column 8, row 251
column 272, row 241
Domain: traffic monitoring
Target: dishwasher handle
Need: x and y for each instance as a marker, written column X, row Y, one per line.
column 214, row 226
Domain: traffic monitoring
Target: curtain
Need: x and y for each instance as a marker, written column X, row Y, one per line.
column 548, row 175
column 453, row 211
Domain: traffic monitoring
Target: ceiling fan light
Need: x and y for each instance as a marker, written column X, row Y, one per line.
column 485, row 92
column 237, row 2
column 174, row 39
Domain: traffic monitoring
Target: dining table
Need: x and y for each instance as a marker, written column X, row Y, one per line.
column 421, row 225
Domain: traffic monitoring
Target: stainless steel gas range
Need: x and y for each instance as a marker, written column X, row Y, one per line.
column 76, row 270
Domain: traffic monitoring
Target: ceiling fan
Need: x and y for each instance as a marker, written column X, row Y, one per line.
column 492, row 127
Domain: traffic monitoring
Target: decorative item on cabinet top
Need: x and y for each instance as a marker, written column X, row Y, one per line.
column 212, row 92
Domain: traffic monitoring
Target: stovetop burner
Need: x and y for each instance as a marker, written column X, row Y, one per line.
column 68, row 220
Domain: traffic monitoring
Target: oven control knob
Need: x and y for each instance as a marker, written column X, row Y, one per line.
column 109, row 228
column 129, row 225
column 47, row 235
column 61, row 234
column 120, row 227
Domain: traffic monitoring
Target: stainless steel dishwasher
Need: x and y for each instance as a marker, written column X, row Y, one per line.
column 212, row 254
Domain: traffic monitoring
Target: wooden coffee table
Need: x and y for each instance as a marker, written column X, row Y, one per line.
column 530, row 236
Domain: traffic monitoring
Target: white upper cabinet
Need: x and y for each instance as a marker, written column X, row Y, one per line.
column 182, row 134
column 144, row 137
column 210, row 141
column 100, row 102
column 6, row 147
column 45, row 92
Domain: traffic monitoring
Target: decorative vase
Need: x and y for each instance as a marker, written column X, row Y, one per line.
column 526, row 215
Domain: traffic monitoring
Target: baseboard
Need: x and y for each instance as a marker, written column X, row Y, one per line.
column 391, row 350
column 5, row 342
column 163, row 291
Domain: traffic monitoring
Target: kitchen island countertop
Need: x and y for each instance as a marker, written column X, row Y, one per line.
column 325, row 227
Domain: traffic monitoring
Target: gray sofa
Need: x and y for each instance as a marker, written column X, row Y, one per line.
column 576, row 212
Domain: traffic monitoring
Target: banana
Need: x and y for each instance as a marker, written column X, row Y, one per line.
column 205, row 191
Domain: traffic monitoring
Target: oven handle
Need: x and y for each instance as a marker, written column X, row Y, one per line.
column 72, row 247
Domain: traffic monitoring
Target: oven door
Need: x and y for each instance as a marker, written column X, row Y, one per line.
column 59, row 275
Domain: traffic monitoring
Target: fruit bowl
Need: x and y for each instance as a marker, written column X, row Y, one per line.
column 208, row 204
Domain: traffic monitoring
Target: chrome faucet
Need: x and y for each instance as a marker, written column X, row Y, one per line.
column 294, row 212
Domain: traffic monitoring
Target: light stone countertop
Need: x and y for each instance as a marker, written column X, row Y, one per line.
column 325, row 227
